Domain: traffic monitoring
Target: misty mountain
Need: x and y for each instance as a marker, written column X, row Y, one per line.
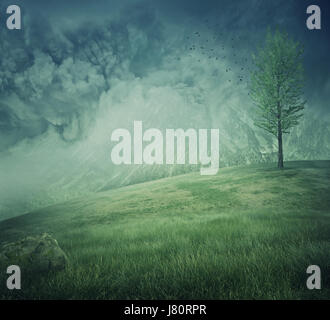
column 83, row 171
column 68, row 80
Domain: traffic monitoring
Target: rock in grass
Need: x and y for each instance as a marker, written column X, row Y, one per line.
column 34, row 254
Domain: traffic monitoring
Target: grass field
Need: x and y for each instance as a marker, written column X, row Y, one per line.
column 246, row 233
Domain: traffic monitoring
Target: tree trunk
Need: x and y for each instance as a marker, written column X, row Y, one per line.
column 280, row 146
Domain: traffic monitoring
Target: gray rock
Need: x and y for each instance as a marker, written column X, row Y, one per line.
column 34, row 254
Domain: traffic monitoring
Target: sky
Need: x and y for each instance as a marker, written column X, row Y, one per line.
column 79, row 69
column 54, row 31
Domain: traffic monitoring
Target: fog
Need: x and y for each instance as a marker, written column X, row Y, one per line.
column 77, row 71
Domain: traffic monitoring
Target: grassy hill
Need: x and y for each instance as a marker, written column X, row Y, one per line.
column 248, row 232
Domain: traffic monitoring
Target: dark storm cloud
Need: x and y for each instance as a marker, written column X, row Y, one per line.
column 53, row 76
column 68, row 53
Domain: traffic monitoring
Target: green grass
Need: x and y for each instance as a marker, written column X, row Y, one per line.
column 246, row 233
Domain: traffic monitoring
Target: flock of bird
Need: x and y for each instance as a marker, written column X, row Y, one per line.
column 222, row 47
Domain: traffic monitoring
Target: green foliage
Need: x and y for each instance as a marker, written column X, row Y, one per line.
column 277, row 83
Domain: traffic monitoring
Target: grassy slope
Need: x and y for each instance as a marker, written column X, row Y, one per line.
column 248, row 232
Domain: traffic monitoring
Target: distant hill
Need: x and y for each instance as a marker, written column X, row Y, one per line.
column 50, row 171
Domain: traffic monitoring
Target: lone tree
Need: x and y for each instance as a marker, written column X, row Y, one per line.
column 276, row 86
